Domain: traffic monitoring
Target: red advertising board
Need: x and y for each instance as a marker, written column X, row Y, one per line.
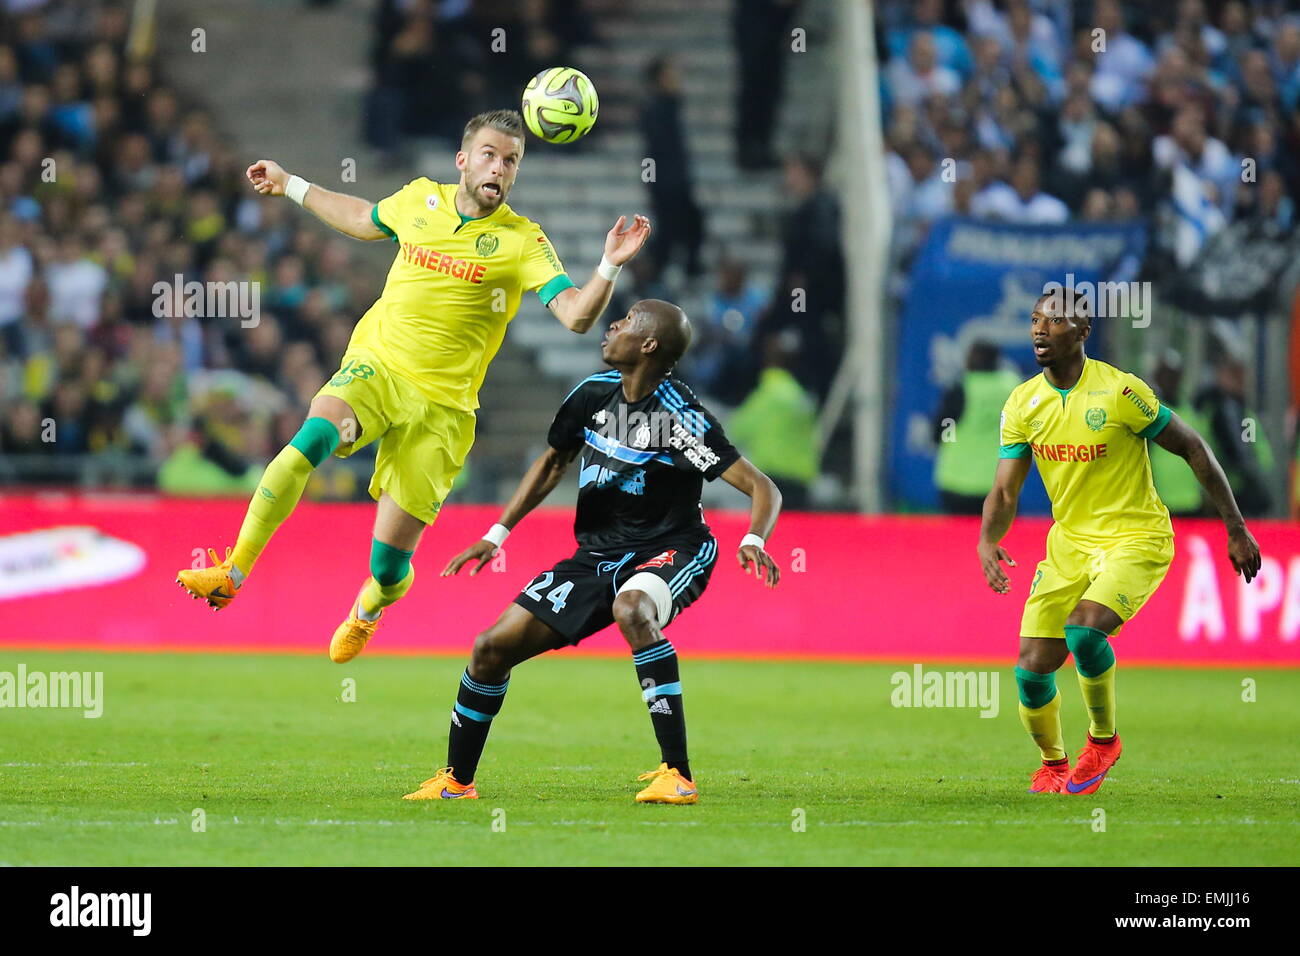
column 97, row 571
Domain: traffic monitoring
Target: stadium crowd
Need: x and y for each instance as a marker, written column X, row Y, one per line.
column 1186, row 114
column 1041, row 111
column 109, row 184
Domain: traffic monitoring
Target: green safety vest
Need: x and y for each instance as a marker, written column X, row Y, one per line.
column 967, row 464
column 1174, row 479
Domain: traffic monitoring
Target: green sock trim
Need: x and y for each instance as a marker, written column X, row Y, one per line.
column 1092, row 652
column 388, row 565
column 1036, row 690
column 317, row 440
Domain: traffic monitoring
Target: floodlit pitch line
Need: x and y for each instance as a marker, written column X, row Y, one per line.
column 709, row 657
column 1082, row 821
column 76, row 763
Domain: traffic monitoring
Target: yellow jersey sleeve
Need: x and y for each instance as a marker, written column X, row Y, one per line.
column 388, row 214
column 1139, row 409
column 1013, row 438
column 540, row 268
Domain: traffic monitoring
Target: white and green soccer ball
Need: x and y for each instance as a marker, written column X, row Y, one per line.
column 560, row 104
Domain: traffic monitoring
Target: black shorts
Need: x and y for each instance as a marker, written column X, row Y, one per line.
column 576, row 597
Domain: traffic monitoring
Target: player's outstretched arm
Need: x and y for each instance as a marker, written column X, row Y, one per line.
column 999, row 512
column 579, row 308
column 350, row 215
column 766, row 505
column 538, row 482
column 1184, row 441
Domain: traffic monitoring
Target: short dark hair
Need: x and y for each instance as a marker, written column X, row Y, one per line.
column 667, row 323
column 503, row 121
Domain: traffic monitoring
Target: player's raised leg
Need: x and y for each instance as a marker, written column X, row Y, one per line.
column 515, row 637
column 277, row 495
column 1040, row 709
column 638, row 614
column 1086, row 635
column 396, row 536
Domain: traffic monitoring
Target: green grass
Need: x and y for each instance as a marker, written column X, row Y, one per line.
column 287, row 773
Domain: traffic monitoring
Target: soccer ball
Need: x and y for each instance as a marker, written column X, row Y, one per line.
column 560, row 104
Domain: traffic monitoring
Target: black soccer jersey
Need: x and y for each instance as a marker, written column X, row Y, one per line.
column 642, row 464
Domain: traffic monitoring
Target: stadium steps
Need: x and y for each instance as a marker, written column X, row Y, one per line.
column 578, row 195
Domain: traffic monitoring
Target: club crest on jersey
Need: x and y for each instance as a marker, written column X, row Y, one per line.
column 1033, row 401
column 487, row 244
column 600, row 416
column 659, row 560
column 431, row 200
column 642, row 437
column 1095, row 418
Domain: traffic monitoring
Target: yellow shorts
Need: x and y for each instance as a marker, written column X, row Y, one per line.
column 422, row 445
column 1121, row 575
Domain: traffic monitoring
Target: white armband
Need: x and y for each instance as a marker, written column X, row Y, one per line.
column 753, row 539
column 497, row 534
column 607, row 270
column 296, row 189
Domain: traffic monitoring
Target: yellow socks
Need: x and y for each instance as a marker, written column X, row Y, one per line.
column 1044, row 725
column 1099, row 696
column 280, row 488
column 375, row 596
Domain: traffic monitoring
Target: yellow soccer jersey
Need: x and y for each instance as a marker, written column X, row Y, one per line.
column 452, row 289
column 1090, row 443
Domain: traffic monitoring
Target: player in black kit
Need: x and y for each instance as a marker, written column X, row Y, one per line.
column 645, row 445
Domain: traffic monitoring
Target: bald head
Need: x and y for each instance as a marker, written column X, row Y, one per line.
column 668, row 325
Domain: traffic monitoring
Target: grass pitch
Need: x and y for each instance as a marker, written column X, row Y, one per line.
column 286, row 772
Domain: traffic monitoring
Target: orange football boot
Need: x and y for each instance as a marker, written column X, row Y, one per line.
column 214, row 584
column 1095, row 760
column 1050, row 777
column 443, row 786
column 351, row 636
column 667, row 786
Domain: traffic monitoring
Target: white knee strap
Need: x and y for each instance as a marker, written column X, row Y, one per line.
column 657, row 588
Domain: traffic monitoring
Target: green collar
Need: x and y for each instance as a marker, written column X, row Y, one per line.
column 1063, row 392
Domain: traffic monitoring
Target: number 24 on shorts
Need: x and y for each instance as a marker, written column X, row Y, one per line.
column 556, row 595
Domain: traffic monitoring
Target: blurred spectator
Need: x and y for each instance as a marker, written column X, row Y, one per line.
column 450, row 46
column 720, row 360
column 15, row 274
column 1022, row 201
column 950, row 49
column 1124, row 63
column 762, row 35
column 76, row 284
column 203, row 454
column 966, row 428
column 919, row 76
column 777, row 425
column 1188, row 146
column 1236, row 434
column 809, row 294
column 678, row 222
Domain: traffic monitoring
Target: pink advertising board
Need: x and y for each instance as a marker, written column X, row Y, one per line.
column 96, row 571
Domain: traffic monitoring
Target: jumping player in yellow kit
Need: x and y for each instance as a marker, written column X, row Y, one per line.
column 413, row 368
column 1087, row 425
